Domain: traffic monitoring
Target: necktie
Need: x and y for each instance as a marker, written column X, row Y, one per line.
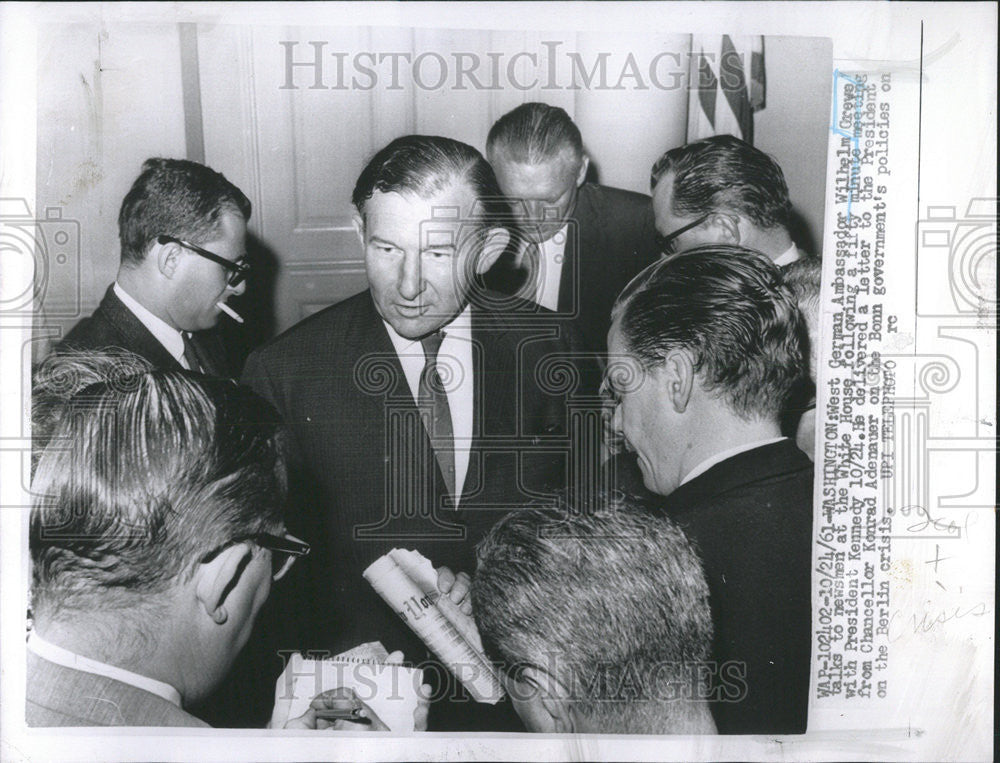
column 434, row 410
column 190, row 354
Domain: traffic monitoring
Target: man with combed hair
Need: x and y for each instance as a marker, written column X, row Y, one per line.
column 579, row 242
column 183, row 230
column 599, row 618
column 721, row 190
column 156, row 533
column 705, row 348
column 418, row 410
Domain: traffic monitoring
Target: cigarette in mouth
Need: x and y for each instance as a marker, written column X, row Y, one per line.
column 229, row 311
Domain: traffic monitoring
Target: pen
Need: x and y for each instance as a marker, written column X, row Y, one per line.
column 346, row 710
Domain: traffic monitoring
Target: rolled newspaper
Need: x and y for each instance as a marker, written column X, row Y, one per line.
column 407, row 582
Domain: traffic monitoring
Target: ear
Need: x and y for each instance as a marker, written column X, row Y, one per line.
column 581, row 176
column 359, row 227
column 677, row 377
column 552, row 711
column 494, row 245
column 215, row 580
column 726, row 228
column 168, row 257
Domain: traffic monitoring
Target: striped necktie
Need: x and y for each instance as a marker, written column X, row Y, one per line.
column 433, row 404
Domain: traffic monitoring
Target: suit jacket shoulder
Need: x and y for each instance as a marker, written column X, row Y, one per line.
column 616, row 200
column 616, row 239
column 114, row 326
column 60, row 696
column 750, row 518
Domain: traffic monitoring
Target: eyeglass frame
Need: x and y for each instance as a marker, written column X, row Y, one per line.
column 237, row 270
column 666, row 243
column 285, row 544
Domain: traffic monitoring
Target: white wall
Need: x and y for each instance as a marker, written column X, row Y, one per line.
column 794, row 125
column 110, row 96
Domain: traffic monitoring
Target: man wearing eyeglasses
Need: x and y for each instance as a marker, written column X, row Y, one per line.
column 721, row 190
column 182, row 228
column 156, row 534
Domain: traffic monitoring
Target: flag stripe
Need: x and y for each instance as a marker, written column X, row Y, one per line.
column 735, row 89
column 707, row 85
column 734, row 65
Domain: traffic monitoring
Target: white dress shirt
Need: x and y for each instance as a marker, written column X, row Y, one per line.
column 60, row 656
column 721, row 456
column 165, row 334
column 456, row 371
column 551, row 255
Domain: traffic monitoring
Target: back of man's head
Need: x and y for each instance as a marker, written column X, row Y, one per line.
column 143, row 473
column 723, row 173
column 423, row 166
column 179, row 198
column 728, row 308
column 600, row 617
column 803, row 277
column 534, row 133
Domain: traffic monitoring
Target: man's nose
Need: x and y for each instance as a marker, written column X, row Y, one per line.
column 411, row 282
column 616, row 419
column 239, row 289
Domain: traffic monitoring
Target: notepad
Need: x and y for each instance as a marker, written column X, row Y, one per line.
column 391, row 690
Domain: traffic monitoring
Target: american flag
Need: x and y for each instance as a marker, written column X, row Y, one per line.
column 727, row 85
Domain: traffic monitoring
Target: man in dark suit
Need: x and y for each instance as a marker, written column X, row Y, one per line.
column 579, row 242
column 156, row 533
column 183, row 254
column 705, row 348
column 421, row 409
column 722, row 190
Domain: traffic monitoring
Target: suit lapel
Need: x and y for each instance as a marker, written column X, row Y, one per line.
column 576, row 275
column 209, row 351
column 492, row 378
column 137, row 337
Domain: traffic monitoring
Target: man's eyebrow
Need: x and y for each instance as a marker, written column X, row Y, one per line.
column 380, row 240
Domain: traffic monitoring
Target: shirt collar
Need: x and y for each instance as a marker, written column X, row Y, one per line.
column 787, row 257
column 165, row 334
column 60, row 656
column 721, row 456
column 549, row 246
column 459, row 328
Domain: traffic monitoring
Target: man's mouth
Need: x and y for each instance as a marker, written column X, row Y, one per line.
column 411, row 311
